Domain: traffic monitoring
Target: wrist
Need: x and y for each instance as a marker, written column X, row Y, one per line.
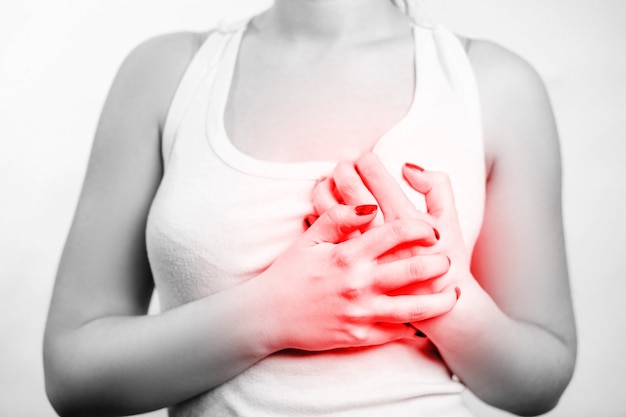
column 474, row 315
column 264, row 311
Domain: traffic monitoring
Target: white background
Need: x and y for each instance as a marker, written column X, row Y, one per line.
column 58, row 58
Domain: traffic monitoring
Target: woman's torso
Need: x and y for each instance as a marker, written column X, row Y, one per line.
column 221, row 216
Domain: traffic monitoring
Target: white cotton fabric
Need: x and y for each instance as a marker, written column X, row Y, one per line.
column 220, row 217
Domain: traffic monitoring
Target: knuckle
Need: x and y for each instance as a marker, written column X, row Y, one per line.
column 367, row 165
column 334, row 216
column 353, row 292
column 417, row 313
column 356, row 287
column 348, row 187
column 359, row 335
column 416, row 269
column 341, row 258
column 400, row 229
column 357, row 315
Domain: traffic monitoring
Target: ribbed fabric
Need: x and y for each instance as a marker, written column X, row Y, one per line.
column 221, row 217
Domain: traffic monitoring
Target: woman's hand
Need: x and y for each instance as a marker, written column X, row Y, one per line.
column 328, row 292
column 368, row 180
column 477, row 336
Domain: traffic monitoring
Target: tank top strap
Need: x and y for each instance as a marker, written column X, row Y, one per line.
column 202, row 65
column 458, row 70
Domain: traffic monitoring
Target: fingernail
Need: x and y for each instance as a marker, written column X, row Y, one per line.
column 414, row 167
column 366, row 209
column 309, row 220
column 436, row 233
column 457, row 290
column 418, row 332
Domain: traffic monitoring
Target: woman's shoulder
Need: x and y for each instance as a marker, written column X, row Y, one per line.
column 514, row 100
column 172, row 51
column 500, row 73
column 153, row 69
column 505, row 79
column 494, row 62
column 162, row 57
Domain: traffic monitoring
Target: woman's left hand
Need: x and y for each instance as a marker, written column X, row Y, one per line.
column 367, row 180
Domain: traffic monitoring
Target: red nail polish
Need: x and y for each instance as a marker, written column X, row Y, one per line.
column 457, row 290
column 366, row 209
column 437, row 236
column 418, row 332
column 309, row 220
column 414, row 167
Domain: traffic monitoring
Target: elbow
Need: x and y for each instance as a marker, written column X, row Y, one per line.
column 535, row 396
column 529, row 405
column 534, row 408
column 543, row 397
column 540, row 403
column 58, row 400
column 66, row 396
column 62, row 388
column 56, row 389
column 57, row 396
column 77, row 385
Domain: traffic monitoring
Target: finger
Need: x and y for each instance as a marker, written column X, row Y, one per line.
column 350, row 186
column 380, row 333
column 414, row 308
column 397, row 274
column 377, row 241
column 392, row 201
column 435, row 186
column 324, row 196
column 337, row 224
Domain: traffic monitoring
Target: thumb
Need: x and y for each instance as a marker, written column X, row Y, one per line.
column 435, row 186
column 336, row 224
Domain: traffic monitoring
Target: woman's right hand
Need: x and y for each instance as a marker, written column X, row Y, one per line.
column 328, row 292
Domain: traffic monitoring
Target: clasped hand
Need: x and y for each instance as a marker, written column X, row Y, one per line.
column 367, row 180
column 348, row 281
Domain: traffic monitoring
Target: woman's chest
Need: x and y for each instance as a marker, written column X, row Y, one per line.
column 301, row 110
column 212, row 227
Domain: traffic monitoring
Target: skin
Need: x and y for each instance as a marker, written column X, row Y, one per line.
column 104, row 356
column 524, row 349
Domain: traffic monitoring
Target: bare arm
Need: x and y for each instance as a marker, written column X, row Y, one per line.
column 511, row 337
column 104, row 356
column 519, row 259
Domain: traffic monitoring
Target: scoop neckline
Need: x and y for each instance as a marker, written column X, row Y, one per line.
column 301, row 170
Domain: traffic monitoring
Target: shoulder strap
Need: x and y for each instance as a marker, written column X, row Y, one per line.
column 459, row 71
column 203, row 62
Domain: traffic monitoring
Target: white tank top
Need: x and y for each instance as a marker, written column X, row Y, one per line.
column 220, row 217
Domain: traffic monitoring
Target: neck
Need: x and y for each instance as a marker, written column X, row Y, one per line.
column 334, row 20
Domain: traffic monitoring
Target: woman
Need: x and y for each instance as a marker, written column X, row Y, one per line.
column 216, row 148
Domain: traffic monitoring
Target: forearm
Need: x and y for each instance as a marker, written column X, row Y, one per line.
column 125, row 365
column 520, row 367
